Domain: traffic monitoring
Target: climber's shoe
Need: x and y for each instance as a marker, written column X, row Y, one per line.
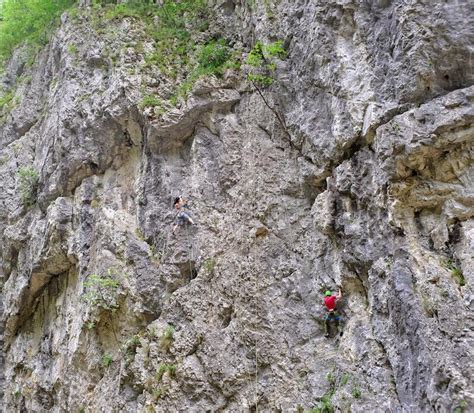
column 326, row 335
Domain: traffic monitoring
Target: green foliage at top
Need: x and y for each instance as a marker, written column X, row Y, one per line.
column 175, row 17
column 134, row 8
column 28, row 184
column 262, row 59
column 27, row 21
column 183, row 52
column 212, row 58
column 169, row 24
column 102, row 290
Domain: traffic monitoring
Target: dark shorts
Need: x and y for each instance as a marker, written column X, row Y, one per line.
column 182, row 218
column 332, row 315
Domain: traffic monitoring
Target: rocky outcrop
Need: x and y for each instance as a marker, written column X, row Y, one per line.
column 363, row 181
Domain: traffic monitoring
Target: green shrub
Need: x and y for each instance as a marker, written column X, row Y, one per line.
column 150, row 101
column 461, row 408
column 209, row 265
column 28, row 182
column 72, row 49
column 165, row 367
column 102, row 290
column 456, row 273
column 325, row 404
column 27, row 21
column 132, row 343
column 330, row 377
column 6, row 100
column 344, row 379
column 458, row 276
column 275, row 49
column 158, row 393
column 356, row 393
column 167, row 338
column 176, row 17
column 168, row 333
column 107, row 360
column 136, row 9
column 256, row 58
column 7, row 103
column 262, row 59
column 213, row 55
column 90, row 325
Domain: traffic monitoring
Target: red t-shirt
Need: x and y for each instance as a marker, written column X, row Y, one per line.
column 330, row 302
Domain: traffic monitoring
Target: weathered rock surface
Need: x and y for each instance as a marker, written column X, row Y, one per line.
column 369, row 188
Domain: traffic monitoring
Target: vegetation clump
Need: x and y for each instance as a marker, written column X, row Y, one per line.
column 456, row 273
column 102, row 290
column 325, row 403
column 167, row 338
column 6, row 100
column 28, row 185
column 182, row 50
column 130, row 348
column 7, row 103
column 212, row 56
column 209, row 265
column 107, row 360
column 356, row 393
column 165, row 368
column 262, row 61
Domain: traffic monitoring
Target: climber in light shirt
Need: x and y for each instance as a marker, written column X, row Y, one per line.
column 182, row 218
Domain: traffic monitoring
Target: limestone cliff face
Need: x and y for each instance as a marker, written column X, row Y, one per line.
column 363, row 181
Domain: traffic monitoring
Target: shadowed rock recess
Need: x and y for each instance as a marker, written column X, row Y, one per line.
column 353, row 169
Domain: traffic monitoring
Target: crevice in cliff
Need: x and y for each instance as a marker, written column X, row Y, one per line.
column 30, row 301
column 365, row 140
column 389, row 366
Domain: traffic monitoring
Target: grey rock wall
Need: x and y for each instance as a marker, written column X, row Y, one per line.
column 369, row 187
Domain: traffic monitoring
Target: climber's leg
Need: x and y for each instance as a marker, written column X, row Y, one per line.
column 327, row 319
column 338, row 320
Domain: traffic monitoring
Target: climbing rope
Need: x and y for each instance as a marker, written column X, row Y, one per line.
column 190, row 252
column 256, row 181
column 256, row 345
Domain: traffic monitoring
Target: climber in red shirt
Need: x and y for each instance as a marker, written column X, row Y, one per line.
column 330, row 301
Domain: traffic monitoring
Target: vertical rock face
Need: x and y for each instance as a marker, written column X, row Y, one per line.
column 364, row 181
